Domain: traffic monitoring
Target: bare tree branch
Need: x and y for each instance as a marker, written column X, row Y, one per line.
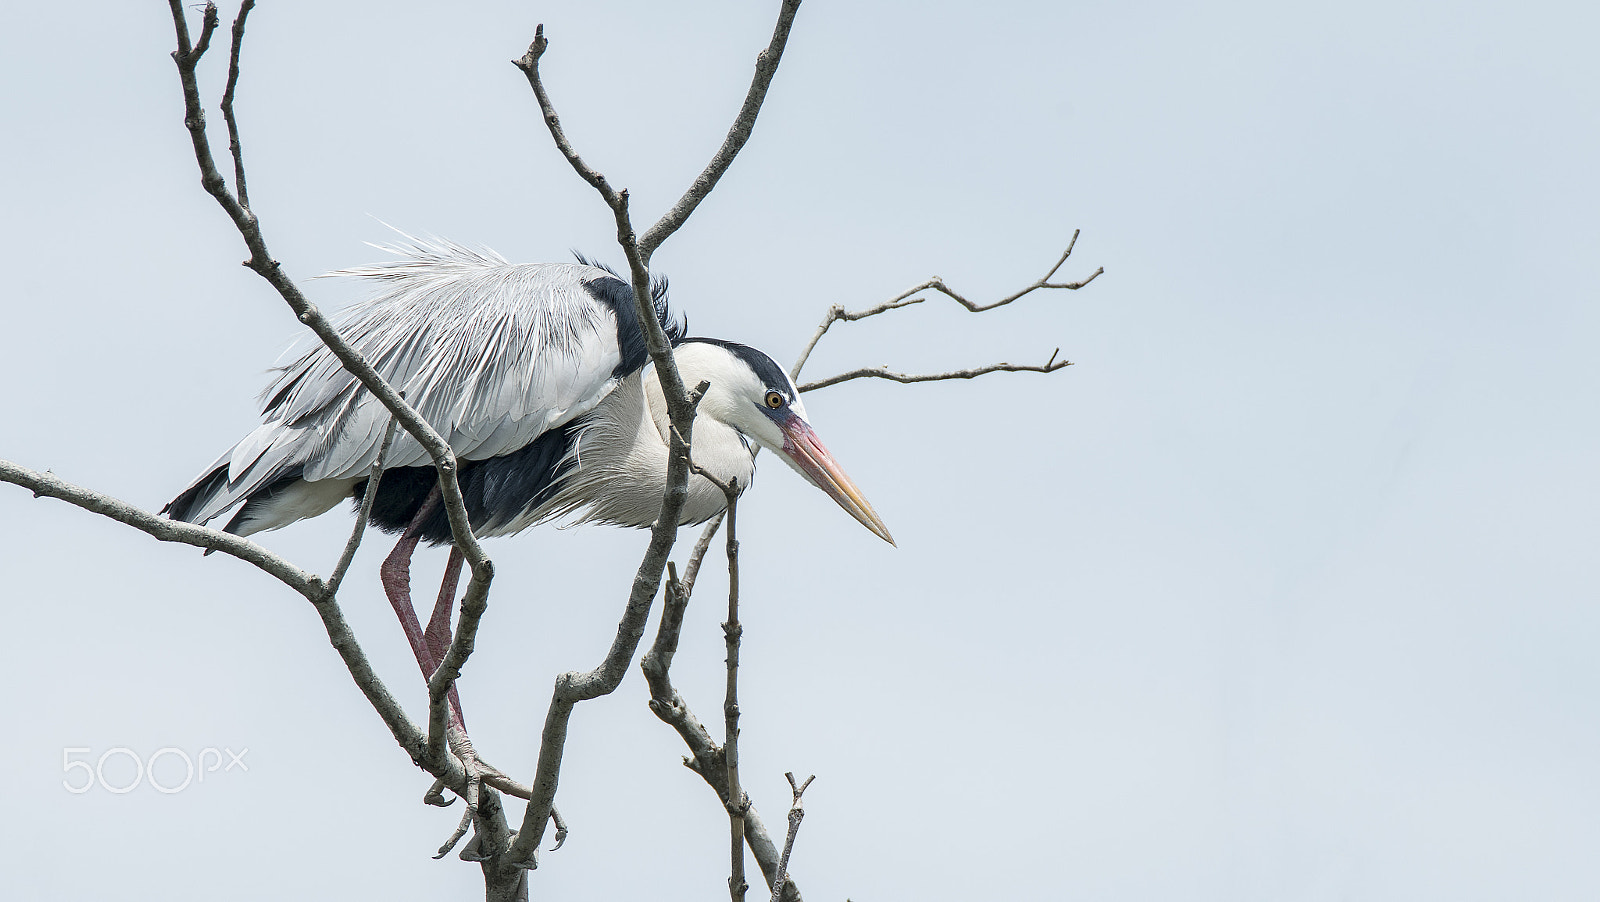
column 261, row 262
column 937, row 284
column 655, row 337
column 837, row 313
column 187, row 58
column 705, row 758
column 766, row 67
column 234, row 147
column 311, row 587
column 796, row 812
column 365, row 514
column 698, row 554
column 162, row 529
column 573, row 687
column 737, row 803
column 883, row 372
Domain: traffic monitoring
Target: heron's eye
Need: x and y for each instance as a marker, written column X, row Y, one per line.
column 774, row 400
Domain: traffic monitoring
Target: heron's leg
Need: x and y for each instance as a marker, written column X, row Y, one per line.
column 430, row 648
column 438, row 634
column 396, row 577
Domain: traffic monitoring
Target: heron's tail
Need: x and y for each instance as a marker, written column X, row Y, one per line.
column 193, row 499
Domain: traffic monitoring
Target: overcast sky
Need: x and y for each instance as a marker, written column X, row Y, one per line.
column 1286, row 590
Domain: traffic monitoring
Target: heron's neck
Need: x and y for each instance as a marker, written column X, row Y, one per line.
column 715, row 447
column 622, row 461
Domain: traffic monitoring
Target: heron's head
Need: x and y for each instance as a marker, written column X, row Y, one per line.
column 752, row 395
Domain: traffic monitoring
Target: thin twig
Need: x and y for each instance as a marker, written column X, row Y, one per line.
column 406, row 733
column 365, row 514
column 573, row 687
column 208, row 27
column 187, row 58
column 766, row 67
column 698, row 554
column 234, row 146
column 796, row 812
column 704, row 757
column 732, row 633
column 261, row 262
column 837, row 313
column 883, row 372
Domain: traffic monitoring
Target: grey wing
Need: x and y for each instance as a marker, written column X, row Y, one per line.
column 491, row 354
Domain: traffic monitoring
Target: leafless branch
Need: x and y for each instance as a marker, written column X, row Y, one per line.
column 837, row 313
column 937, row 284
column 162, row 529
column 655, row 337
column 573, row 687
column 234, row 146
column 698, row 554
column 766, row 67
column 208, row 27
column 705, row 758
column 365, row 514
column 796, row 812
column 187, row 57
column 732, row 633
column 883, row 372
column 406, row 733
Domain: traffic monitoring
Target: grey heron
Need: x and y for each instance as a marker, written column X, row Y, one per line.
column 538, row 377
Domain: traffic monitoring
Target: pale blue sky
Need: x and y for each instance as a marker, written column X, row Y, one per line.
column 1285, row 591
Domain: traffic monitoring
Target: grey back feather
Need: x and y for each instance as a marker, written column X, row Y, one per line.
column 491, row 354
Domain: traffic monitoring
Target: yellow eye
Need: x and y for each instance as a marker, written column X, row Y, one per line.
column 774, row 400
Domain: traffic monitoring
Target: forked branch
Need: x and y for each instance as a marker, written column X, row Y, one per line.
column 905, row 299
column 883, row 372
column 574, row 687
column 187, row 57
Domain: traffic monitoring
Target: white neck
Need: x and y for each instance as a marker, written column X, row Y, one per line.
column 621, row 459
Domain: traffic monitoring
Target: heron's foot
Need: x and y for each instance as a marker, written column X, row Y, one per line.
column 561, row 828
column 435, row 796
column 461, row 830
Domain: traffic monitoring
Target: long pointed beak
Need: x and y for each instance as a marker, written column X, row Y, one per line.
column 806, row 452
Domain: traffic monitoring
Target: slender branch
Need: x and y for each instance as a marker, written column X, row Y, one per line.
column 655, row 336
column 234, row 146
column 796, row 812
column 573, row 687
column 308, row 585
column 162, row 529
column 732, row 633
column 698, row 554
column 766, row 67
column 261, row 263
column 705, row 758
column 937, row 284
column 208, row 27
column 837, row 313
column 187, row 58
column 365, row 514
column 883, row 372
